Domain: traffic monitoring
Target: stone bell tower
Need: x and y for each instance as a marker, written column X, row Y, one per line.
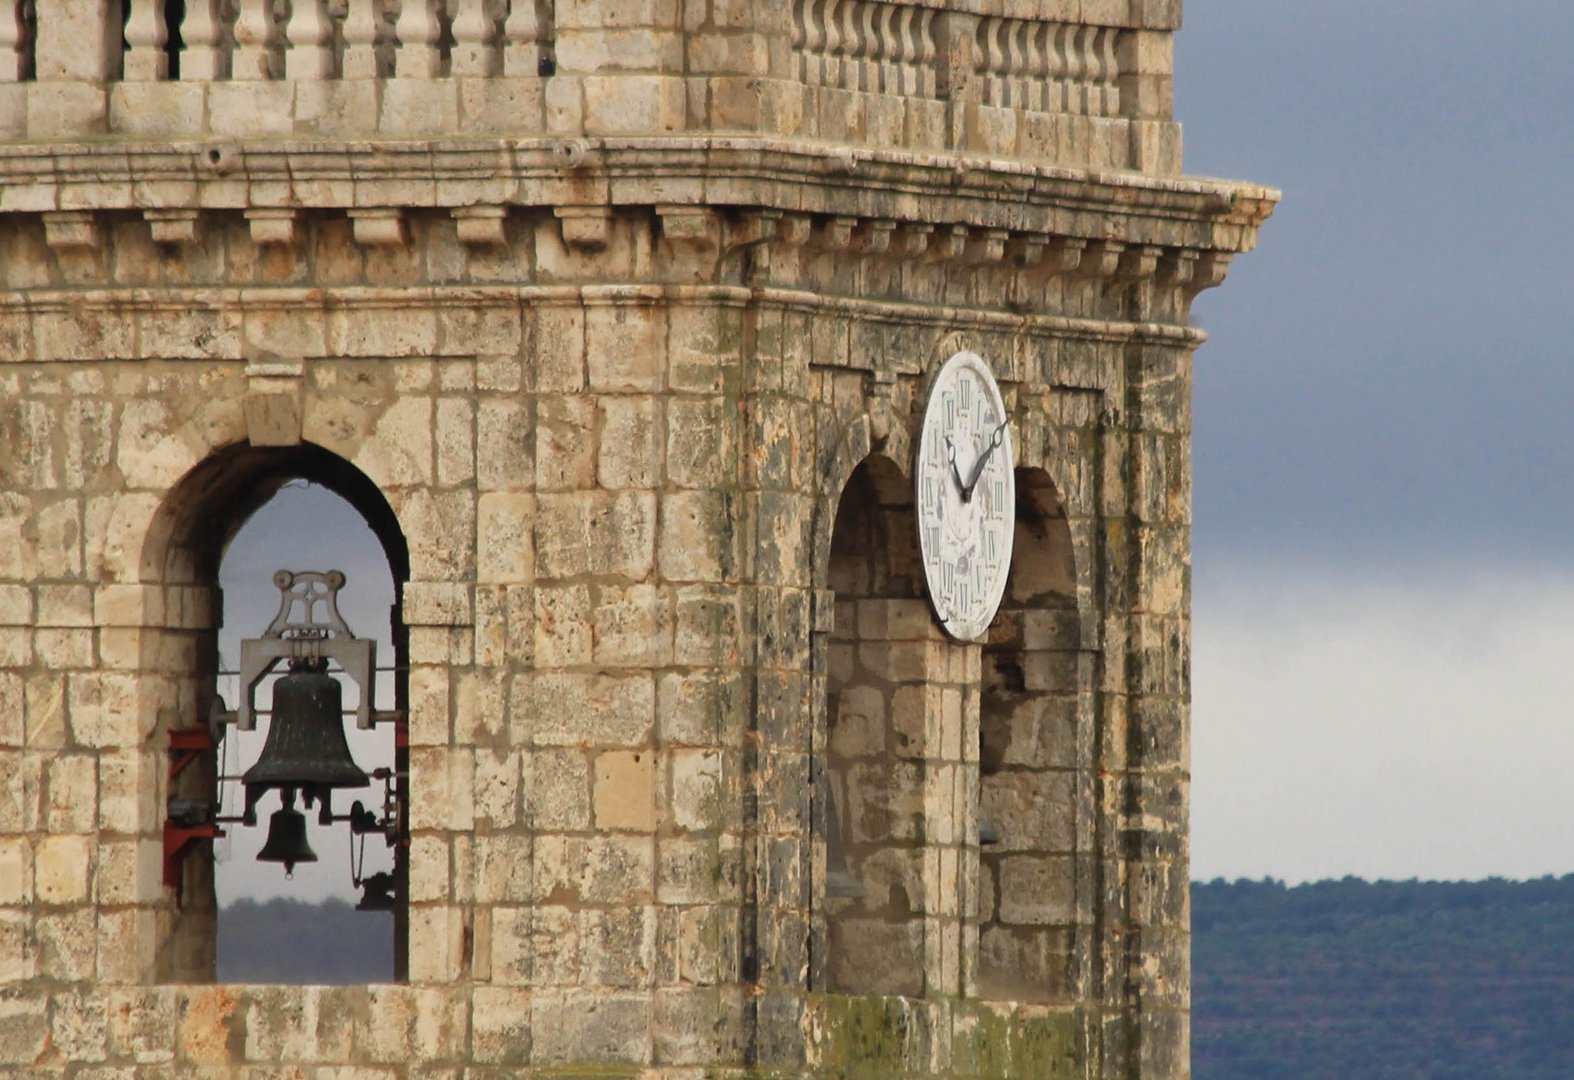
column 615, row 319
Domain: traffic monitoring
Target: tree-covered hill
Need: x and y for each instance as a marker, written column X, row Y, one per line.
column 286, row 941
column 1340, row 980
column 1383, row 980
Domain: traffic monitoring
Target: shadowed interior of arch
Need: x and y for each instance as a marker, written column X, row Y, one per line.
column 874, row 760
column 1029, row 756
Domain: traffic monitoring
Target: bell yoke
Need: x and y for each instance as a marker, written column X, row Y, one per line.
column 306, row 754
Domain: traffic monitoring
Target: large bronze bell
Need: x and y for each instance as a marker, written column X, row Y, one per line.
column 306, row 747
column 287, row 837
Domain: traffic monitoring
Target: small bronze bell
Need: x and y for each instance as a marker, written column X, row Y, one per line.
column 287, row 837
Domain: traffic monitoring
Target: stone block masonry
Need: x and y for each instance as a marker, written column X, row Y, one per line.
column 615, row 322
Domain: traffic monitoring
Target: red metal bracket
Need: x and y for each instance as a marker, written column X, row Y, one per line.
column 177, row 838
column 185, row 746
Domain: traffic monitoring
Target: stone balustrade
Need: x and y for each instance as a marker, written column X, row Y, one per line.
column 1082, row 84
column 217, row 41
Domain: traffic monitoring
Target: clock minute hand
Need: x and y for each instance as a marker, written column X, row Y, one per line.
column 956, row 474
column 983, row 459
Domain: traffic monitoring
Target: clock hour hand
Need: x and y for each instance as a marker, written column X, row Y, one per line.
column 983, row 459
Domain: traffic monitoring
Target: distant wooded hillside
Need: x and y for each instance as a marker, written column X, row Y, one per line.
column 1352, row 980
column 1340, row 980
column 286, row 941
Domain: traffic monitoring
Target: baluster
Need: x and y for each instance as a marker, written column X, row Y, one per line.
column 1060, row 67
column 905, row 49
column 852, row 45
column 1092, row 88
column 203, row 58
column 800, row 10
column 993, row 55
column 1037, row 65
column 929, row 84
column 871, row 47
column 145, row 60
column 416, row 33
column 310, row 35
column 255, row 36
column 855, row 45
column 891, row 46
column 1109, row 42
column 1013, row 36
column 360, row 40
column 474, row 33
column 1076, row 71
column 11, row 43
column 981, row 61
column 1093, row 91
column 833, row 41
column 877, row 46
column 811, row 29
column 522, row 40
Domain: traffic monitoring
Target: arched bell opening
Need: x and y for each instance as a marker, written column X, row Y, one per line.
column 871, row 786
column 227, row 549
column 1029, row 756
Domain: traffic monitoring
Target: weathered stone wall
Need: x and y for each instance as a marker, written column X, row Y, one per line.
column 601, row 399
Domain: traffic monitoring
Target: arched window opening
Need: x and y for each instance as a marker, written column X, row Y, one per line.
column 282, row 920
column 874, row 770
column 1028, row 760
column 308, row 887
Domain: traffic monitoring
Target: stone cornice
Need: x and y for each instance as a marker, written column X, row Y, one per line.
column 225, row 340
column 717, row 171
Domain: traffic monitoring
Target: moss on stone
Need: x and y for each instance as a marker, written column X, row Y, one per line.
column 864, row 1036
column 1048, row 1045
column 882, row 1037
column 981, row 1044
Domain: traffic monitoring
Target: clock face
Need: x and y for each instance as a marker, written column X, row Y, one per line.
column 966, row 496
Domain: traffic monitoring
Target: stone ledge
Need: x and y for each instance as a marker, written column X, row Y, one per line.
column 186, row 298
column 674, row 171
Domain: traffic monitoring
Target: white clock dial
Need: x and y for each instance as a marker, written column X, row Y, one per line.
column 966, row 496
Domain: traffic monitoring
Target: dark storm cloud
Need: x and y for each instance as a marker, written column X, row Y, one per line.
column 1390, row 375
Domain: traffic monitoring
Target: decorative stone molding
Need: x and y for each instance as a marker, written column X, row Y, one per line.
column 72, row 230
column 272, row 227
column 986, row 246
column 691, row 227
column 770, row 248
column 174, row 226
column 586, row 227
column 1178, row 267
column 379, row 227
column 273, row 402
column 1212, row 267
column 482, row 226
column 912, row 238
column 1013, row 187
column 946, row 242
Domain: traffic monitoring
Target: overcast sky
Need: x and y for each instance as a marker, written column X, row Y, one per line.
column 1384, row 588
column 1384, row 656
